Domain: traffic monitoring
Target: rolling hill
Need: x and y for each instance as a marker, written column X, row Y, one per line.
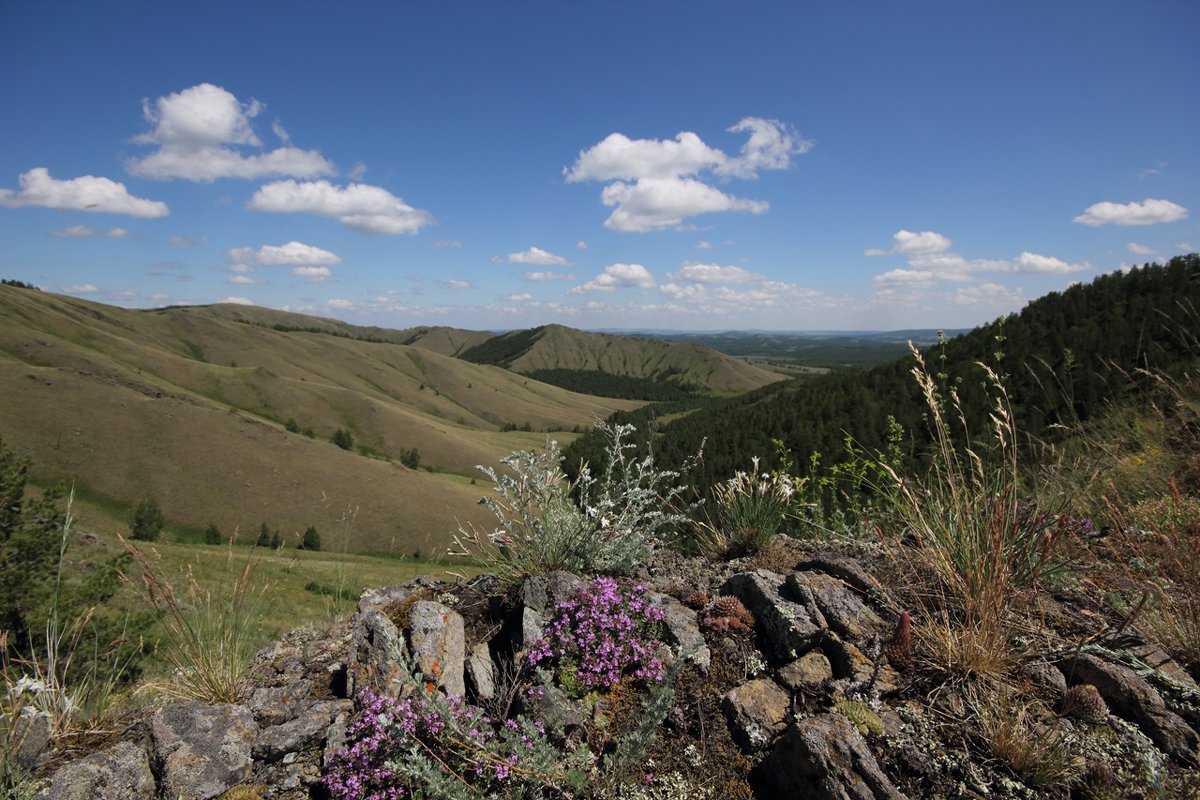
column 194, row 405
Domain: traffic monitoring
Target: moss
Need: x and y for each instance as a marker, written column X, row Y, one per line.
column 860, row 715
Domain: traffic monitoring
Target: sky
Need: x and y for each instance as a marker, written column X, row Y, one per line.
column 608, row 165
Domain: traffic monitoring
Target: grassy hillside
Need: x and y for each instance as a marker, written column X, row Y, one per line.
column 554, row 347
column 190, row 404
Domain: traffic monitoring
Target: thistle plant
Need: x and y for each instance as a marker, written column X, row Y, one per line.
column 596, row 524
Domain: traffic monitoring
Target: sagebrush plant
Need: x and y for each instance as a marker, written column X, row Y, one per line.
column 603, row 633
column 209, row 634
column 597, row 524
column 747, row 511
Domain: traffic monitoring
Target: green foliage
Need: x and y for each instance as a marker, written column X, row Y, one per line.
column 746, row 512
column 411, row 458
column 502, row 350
column 311, row 539
column 18, row 284
column 291, row 426
column 343, row 439
column 212, row 534
column 276, row 541
column 148, row 520
column 603, row 384
column 596, row 524
column 264, row 536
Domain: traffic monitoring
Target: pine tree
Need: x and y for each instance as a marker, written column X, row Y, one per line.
column 311, row 540
column 148, row 520
column 264, row 536
column 212, row 534
column 276, row 541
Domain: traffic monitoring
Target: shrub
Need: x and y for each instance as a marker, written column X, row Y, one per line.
column 264, row 536
column 748, row 510
column 606, row 524
column 148, row 520
column 343, row 439
column 212, row 534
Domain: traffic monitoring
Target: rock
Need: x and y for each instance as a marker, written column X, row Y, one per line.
column 532, row 623
column 380, row 656
column 843, row 610
column 1157, row 658
column 439, row 645
column 847, row 569
column 382, row 598
column 807, row 672
column 481, row 671
column 302, row 733
column 543, row 593
column 29, row 737
column 854, row 665
column 787, row 629
column 202, row 750
column 757, row 712
column 824, row 758
column 122, row 770
column 1041, row 673
column 274, row 705
column 682, row 629
column 1131, row 697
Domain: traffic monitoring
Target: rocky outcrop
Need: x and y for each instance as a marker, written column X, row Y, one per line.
column 806, row 696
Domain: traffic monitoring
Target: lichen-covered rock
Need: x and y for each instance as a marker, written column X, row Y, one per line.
column 28, row 738
column 274, row 705
column 757, row 712
column 842, row 608
column 682, row 629
column 199, row 750
column 787, row 629
column 824, row 758
column 122, row 770
column 807, row 672
column 1131, row 697
column 304, row 732
column 481, row 672
column 379, row 655
column 439, row 645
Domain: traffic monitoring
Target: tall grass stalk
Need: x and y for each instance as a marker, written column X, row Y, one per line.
column 966, row 511
column 210, row 633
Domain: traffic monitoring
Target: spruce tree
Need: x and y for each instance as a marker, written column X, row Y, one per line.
column 148, row 520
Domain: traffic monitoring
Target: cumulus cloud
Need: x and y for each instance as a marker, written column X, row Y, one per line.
column 988, row 293
column 1140, row 249
column 313, row 274
column 290, row 254
column 581, row 244
column 198, row 131
column 86, row 193
column 518, row 298
column 654, row 184
column 80, row 288
column 548, row 276
column 913, row 244
column 1032, row 262
column 905, row 276
column 454, row 283
column 703, row 245
column 86, row 232
column 241, row 279
column 618, row 276
column 653, row 204
column 1147, row 212
column 535, row 256
column 452, row 244
column 713, row 273
column 364, row 208
column 239, row 301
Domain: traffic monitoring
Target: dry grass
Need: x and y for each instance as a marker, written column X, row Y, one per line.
column 1027, row 740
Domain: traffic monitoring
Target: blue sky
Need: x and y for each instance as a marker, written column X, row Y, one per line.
column 697, row 165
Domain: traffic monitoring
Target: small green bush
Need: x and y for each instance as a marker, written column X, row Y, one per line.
column 148, row 520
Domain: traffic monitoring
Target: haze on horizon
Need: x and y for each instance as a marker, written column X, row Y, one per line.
column 682, row 166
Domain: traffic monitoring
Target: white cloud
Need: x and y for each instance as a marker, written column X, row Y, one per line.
column 341, row 305
column 518, row 298
column 713, row 273
column 80, row 288
column 905, row 276
column 703, row 245
column 771, row 146
column 1032, row 262
column 313, row 274
column 988, row 293
column 618, row 276
column 238, row 301
column 581, row 244
column 85, row 193
column 357, row 172
column 364, row 208
column 913, row 244
column 195, row 131
column 454, row 283
column 1140, row 249
column 290, row 254
column 654, row 184
column 1147, row 212
column 243, row 280
column 280, row 132
column 88, row 232
column 534, row 255
column 548, row 276
column 181, row 241
column 453, row 244
column 653, row 204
